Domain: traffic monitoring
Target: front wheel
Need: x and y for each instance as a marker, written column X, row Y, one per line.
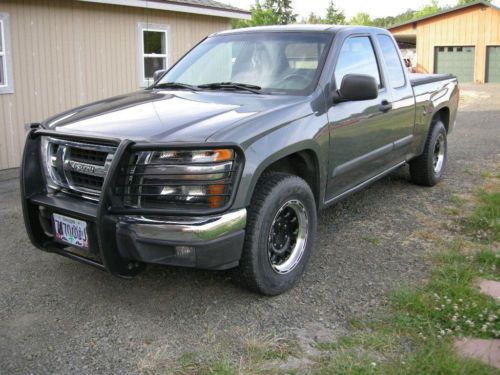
column 280, row 233
column 428, row 168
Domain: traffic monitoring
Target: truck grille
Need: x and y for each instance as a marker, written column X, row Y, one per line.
column 77, row 167
column 88, row 156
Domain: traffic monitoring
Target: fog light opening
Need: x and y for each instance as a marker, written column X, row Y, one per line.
column 184, row 251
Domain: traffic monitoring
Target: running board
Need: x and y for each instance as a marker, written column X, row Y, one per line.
column 363, row 184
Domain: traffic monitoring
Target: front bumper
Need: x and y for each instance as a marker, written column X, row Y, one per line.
column 212, row 242
column 123, row 244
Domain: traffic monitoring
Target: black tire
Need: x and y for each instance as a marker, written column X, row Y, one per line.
column 424, row 168
column 274, row 194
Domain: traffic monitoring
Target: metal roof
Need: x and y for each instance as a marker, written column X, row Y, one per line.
column 445, row 11
column 204, row 7
column 202, row 3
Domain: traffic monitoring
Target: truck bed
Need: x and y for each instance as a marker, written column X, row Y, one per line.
column 418, row 79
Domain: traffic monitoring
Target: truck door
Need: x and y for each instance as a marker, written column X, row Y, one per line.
column 361, row 137
column 402, row 113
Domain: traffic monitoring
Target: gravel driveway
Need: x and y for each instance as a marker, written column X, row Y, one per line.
column 59, row 316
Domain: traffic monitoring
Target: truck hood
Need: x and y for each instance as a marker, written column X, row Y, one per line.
column 173, row 116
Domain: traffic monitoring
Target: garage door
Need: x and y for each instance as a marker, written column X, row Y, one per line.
column 493, row 64
column 456, row 60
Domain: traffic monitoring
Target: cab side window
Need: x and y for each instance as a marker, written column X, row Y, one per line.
column 392, row 61
column 357, row 57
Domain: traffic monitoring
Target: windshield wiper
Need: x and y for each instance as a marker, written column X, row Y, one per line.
column 173, row 85
column 232, row 85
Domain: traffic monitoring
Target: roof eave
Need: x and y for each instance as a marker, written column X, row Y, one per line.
column 178, row 7
column 446, row 11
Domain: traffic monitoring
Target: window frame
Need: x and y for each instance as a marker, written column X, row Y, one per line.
column 141, row 28
column 398, row 52
column 5, row 53
column 383, row 84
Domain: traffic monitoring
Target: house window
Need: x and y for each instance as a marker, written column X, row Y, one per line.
column 154, row 51
column 5, row 64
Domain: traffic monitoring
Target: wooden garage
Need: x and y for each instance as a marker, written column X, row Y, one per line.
column 464, row 41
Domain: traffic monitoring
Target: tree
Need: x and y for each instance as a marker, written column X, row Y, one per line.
column 260, row 16
column 313, row 19
column 334, row 16
column 361, row 18
column 465, row 2
column 271, row 12
column 428, row 9
column 390, row 20
column 283, row 11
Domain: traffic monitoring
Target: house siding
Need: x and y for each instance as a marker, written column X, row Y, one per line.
column 477, row 26
column 68, row 53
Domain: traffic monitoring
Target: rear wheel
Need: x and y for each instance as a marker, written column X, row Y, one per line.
column 280, row 234
column 428, row 168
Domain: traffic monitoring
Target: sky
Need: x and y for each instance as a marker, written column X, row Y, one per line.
column 375, row 8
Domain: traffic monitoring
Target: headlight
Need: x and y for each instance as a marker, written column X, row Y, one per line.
column 201, row 179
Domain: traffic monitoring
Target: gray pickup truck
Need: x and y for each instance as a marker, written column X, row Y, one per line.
column 224, row 162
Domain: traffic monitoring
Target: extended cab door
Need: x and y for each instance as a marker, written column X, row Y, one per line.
column 361, row 135
column 402, row 113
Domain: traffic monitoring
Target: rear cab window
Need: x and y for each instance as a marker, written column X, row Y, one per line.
column 393, row 63
column 304, row 55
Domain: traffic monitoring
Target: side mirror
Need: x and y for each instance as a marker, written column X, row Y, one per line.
column 356, row 87
column 158, row 74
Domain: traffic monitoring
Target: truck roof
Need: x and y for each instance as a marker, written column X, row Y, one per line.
column 299, row 27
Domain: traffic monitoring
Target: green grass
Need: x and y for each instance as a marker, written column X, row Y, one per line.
column 191, row 364
column 417, row 336
column 457, row 200
column 258, row 350
column 225, row 360
column 372, row 240
column 484, row 222
column 449, row 304
column 490, row 175
column 438, row 358
column 435, row 358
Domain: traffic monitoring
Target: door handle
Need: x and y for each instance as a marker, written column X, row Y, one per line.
column 385, row 106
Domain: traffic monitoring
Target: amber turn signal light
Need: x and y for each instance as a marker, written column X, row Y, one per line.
column 215, row 199
column 223, row 154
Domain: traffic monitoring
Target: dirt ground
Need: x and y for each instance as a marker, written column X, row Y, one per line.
column 59, row 316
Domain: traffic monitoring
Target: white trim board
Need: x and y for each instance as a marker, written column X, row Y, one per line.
column 8, row 87
column 177, row 7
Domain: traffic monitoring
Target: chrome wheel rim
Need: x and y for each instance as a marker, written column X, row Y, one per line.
column 287, row 237
column 439, row 153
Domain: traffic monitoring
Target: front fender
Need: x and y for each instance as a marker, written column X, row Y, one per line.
column 307, row 134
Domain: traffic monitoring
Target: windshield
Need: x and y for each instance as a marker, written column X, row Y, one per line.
column 274, row 63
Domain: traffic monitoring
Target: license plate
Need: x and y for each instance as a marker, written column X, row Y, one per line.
column 71, row 231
